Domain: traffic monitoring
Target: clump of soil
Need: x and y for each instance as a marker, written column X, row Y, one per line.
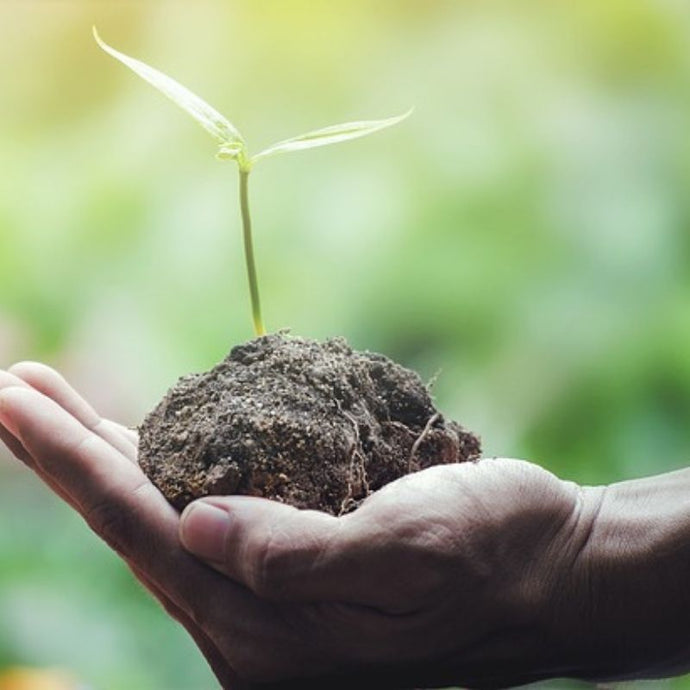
column 316, row 425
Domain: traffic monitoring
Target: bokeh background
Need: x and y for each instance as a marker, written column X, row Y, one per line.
column 524, row 237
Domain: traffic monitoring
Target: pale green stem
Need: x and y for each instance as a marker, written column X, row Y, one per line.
column 249, row 254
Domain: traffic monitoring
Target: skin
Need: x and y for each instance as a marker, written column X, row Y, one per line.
column 488, row 574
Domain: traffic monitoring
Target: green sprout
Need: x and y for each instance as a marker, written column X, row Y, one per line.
column 231, row 146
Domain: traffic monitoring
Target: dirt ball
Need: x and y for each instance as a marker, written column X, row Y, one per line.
column 316, row 425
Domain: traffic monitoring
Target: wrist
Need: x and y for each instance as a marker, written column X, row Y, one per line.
column 629, row 559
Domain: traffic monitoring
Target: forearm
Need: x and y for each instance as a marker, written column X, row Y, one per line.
column 633, row 570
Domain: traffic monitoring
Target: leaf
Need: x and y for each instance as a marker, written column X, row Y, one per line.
column 330, row 135
column 223, row 131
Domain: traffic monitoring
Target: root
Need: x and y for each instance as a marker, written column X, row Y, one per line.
column 418, row 441
column 357, row 472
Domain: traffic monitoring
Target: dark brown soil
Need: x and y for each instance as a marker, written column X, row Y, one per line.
column 316, row 425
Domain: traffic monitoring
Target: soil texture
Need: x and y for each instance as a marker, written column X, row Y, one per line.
column 316, row 425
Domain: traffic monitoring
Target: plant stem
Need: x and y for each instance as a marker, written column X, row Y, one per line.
column 249, row 254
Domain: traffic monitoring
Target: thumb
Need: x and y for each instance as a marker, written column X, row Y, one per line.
column 277, row 551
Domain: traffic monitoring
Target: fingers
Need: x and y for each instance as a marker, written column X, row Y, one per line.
column 282, row 553
column 392, row 554
column 13, row 445
column 338, row 584
column 265, row 545
column 54, row 386
column 17, row 449
column 60, row 446
column 111, row 493
column 8, row 380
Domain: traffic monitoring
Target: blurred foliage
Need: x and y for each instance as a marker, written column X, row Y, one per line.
column 525, row 233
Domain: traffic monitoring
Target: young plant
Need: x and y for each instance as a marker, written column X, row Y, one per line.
column 231, row 146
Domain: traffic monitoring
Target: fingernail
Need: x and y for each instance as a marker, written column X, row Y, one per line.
column 204, row 529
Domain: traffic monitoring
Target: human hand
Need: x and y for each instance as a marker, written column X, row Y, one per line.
column 457, row 574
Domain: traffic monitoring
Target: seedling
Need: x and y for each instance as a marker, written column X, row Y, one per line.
column 231, row 146
column 313, row 425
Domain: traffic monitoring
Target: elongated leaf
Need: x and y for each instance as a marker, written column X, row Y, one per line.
column 330, row 135
column 223, row 131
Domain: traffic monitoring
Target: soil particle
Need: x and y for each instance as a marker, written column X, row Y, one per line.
column 316, row 425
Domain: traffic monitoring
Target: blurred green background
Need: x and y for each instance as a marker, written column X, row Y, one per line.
column 525, row 234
